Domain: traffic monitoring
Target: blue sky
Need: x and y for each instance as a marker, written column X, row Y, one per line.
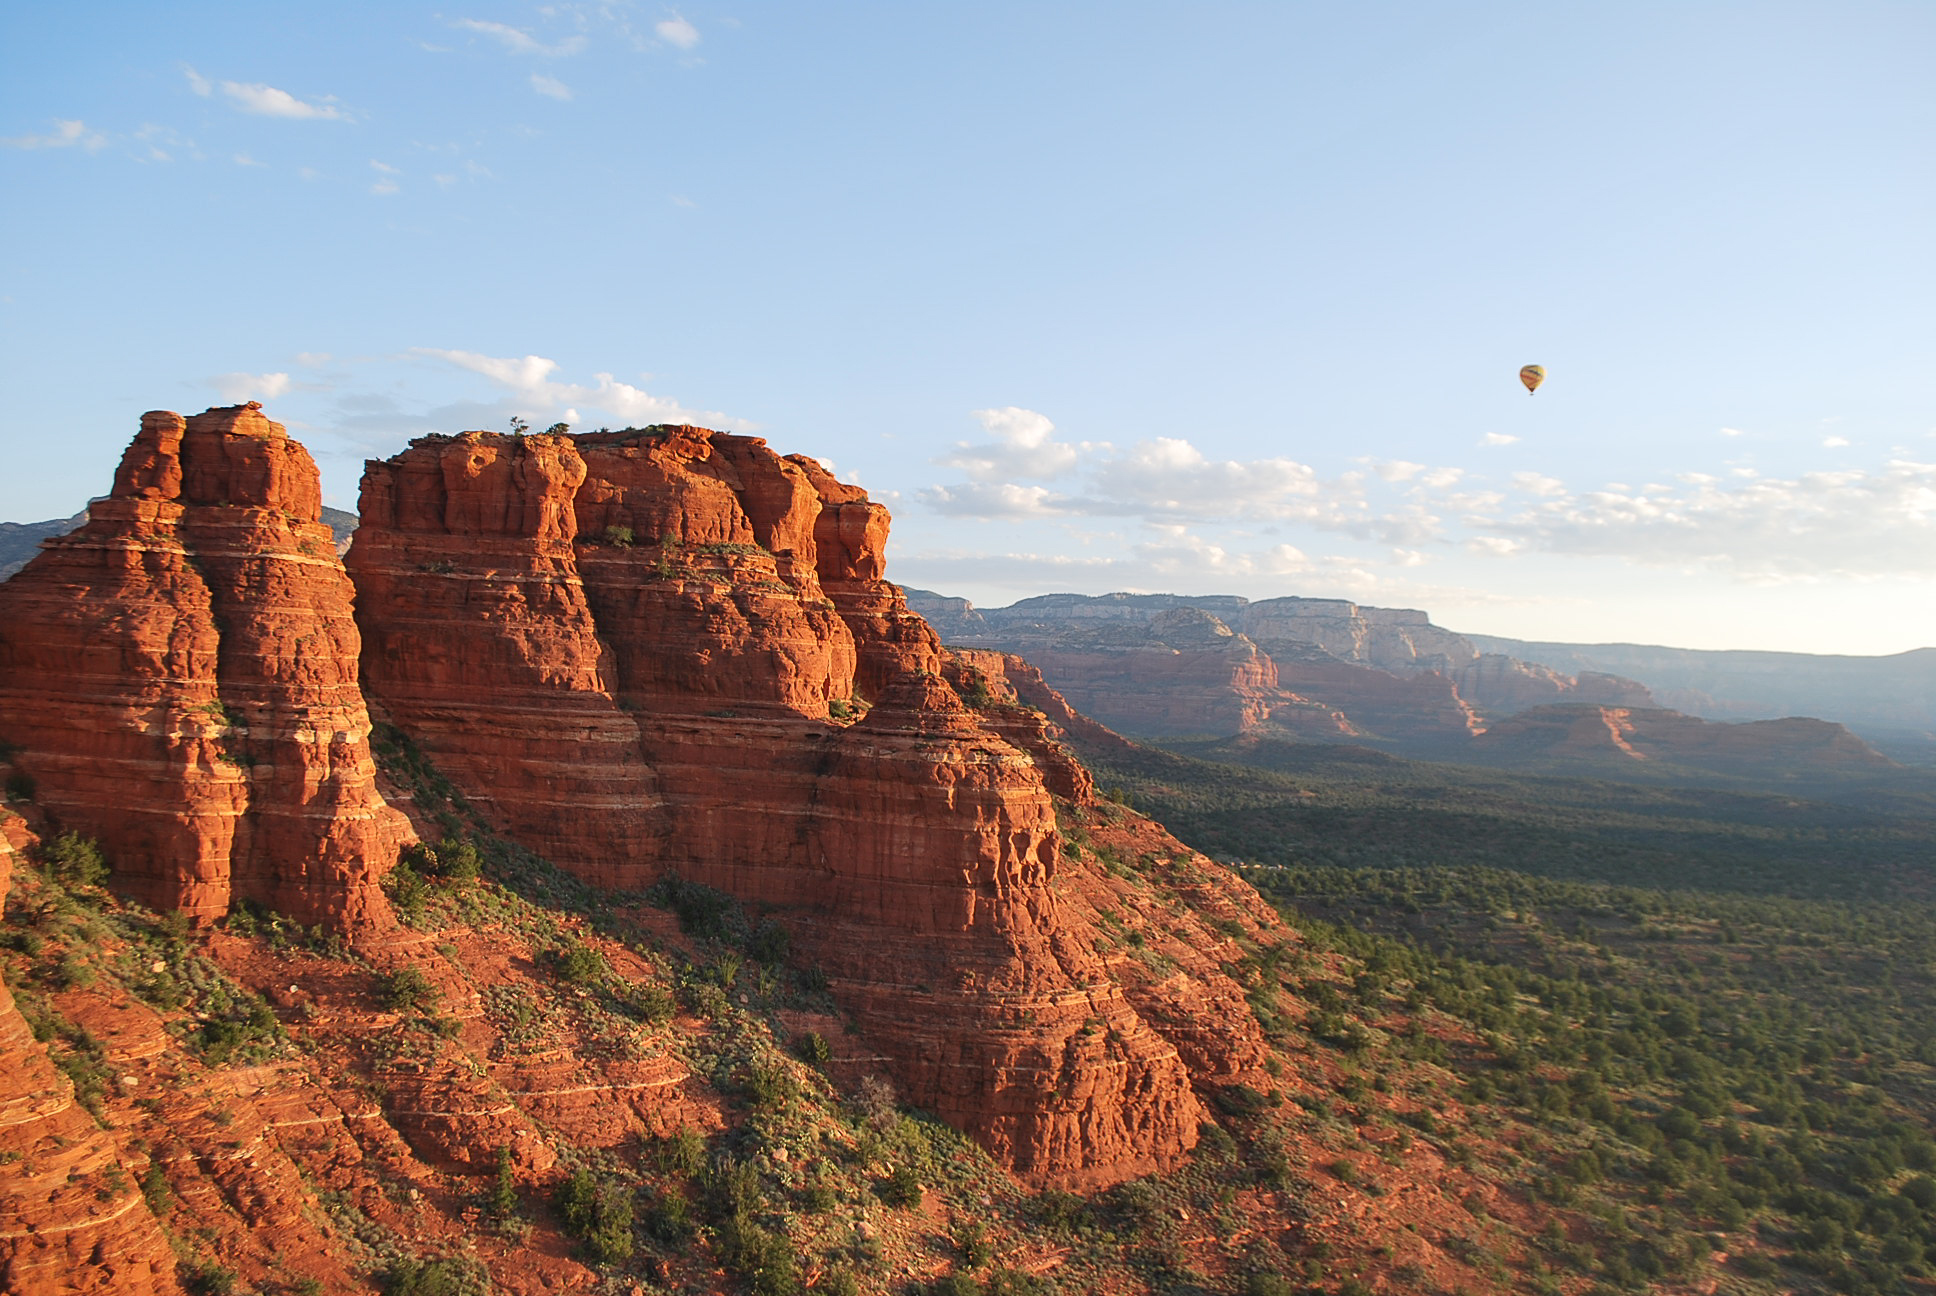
column 1206, row 298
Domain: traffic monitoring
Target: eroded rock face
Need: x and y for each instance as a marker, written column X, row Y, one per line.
column 673, row 651
column 181, row 675
column 479, row 642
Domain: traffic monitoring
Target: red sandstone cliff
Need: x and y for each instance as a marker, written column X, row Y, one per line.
column 180, row 676
column 705, row 624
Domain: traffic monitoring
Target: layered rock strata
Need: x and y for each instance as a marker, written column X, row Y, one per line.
column 705, row 623
column 180, row 676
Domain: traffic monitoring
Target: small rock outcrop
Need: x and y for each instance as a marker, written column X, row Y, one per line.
column 180, row 678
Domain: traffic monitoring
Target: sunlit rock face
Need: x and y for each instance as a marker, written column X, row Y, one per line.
column 181, row 677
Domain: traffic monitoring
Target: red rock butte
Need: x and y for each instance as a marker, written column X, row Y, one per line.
column 180, row 675
column 637, row 653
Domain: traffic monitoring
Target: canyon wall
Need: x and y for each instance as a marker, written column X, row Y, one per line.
column 180, row 678
column 1168, row 665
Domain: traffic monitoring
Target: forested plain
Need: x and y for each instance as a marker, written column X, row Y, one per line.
column 1714, row 1006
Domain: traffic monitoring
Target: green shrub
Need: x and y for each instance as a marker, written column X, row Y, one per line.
column 450, row 1276
column 902, row 1188
column 765, row 1259
column 971, row 1239
column 1060, row 1211
column 155, row 1190
column 670, row 1219
column 408, row 988
column 812, row 1048
column 681, row 1152
column 838, row 1282
column 598, row 1213
column 957, row 1284
column 503, row 1199
column 769, row 943
column 206, row 1278
column 409, row 893
column 74, row 860
column 579, row 964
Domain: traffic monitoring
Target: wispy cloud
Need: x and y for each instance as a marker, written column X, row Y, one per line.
column 677, row 31
column 235, row 388
column 519, row 41
column 267, row 101
column 550, row 87
column 197, row 83
column 66, row 134
column 1850, row 524
column 1498, row 439
column 530, row 379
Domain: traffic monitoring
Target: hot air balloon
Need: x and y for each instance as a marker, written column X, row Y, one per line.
column 1532, row 376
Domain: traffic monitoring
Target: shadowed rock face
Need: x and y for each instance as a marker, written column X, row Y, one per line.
column 181, row 676
column 673, row 651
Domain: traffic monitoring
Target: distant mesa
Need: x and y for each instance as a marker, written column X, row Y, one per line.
column 1328, row 670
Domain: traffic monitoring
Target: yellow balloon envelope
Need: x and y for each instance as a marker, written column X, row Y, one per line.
column 1532, row 376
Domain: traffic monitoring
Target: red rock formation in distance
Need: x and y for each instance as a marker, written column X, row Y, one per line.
column 1627, row 735
column 181, row 678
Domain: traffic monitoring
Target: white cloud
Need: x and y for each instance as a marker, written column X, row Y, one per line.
column 244, row 160
column 1835, row 442
column 1732, row 432
column 529, row 377
column 1497, row 439
column 310, row 359
column 518, row 41
column 1168, row 480
column 550, row 87
column 66, row 134
column 267, row 101
column 384, row 167
column 236, row 388
column 384, row 188
column 197, row 83
column 1024, row 446
column 677, row 31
